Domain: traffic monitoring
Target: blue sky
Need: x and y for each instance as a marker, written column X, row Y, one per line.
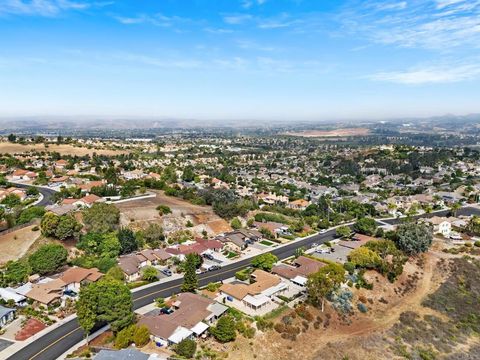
column 239, row 59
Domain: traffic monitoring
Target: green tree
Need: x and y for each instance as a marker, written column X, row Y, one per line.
column 188, row 174
column 264, row 261
column 414, row 238
column 455, row 207
column 125, row 337
column 473, row 225
column 149, row 273
column 365, row 258
column 16, row 272
column 110, row 246
column 12, row 138
column 67, row 227
column 49, row 224
column 105, row 300
column 30, row 213
column 366, row 226
column 141, row 336
column 11, row 200
column 343, row 231
column 153, row 235
column 190, row 280
column 186, row 348
column 224, row 331
column 116, row 273
column 101, row 218
column 128, row 241
column 48, row 258
column 323, row 282
column 236, row 223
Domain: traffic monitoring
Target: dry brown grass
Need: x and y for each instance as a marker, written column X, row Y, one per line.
column 16, row 244
column 63, row 149
column 330, row 133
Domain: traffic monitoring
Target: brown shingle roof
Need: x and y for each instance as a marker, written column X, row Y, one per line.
column 263, row 281
column 78, row 274
column 47, row 292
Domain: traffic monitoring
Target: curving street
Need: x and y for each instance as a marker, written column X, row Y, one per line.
column 61, row 339
column 46, row 192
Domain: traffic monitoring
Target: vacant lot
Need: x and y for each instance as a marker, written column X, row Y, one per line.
column 330, row 133
column 64, row 149
column 15, row 244
column 138, row 213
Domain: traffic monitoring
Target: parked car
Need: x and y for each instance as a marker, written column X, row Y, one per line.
column 166, row 310
column 166, row 272
column 323, row 251
column 208, row 256
column 213, row 267
column 323, row 231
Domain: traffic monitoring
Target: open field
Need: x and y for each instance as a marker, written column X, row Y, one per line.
column 138, row 213
column 330, row 133
column 421, row 316
column 15, row 244
column 64, row 149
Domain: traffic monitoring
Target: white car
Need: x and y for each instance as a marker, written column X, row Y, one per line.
column 323, row 251
column 323, row 231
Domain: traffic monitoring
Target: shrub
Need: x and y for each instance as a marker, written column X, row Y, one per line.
column 186, row 348
column 141, row 336
column 224, row 331
column 362, row 307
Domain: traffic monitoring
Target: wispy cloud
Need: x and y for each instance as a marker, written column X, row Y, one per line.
column 282, row 20
column 253, row 45
column 157, row 19
column 47, row 8
column 431, row 74
column 247, row 4
column 430, row 24
column 237, row 19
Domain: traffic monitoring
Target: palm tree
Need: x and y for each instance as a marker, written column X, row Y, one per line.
column 454, row 208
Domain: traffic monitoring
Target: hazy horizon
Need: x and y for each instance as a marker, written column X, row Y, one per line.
column 239, row 59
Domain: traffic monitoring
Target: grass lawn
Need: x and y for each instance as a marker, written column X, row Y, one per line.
column 231, row 255
column 266, row 243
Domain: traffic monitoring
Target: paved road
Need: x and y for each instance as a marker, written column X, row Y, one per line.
column 59, row 340
column 47, row 193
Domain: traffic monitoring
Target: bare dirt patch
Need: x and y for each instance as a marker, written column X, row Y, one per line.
column 139, row 213
column 16, row 244
column 330, row 133
column 63, row 149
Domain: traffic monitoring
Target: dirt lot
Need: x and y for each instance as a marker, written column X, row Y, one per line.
column 15, row 244
column 415, row 318
column 331, row 133
column 139, row 213
column 64, row 149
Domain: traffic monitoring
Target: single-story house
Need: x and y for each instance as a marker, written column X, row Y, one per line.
column 298, row 274
column 192, row 316
column 6, row 315
column 257, row 294
column 47, row 293
column 74, row 277
column 10, row 294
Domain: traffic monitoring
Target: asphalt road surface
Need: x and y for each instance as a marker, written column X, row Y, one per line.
column 59, row 340
column 47, row 193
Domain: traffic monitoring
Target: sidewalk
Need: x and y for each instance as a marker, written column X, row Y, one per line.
column 17, row 346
